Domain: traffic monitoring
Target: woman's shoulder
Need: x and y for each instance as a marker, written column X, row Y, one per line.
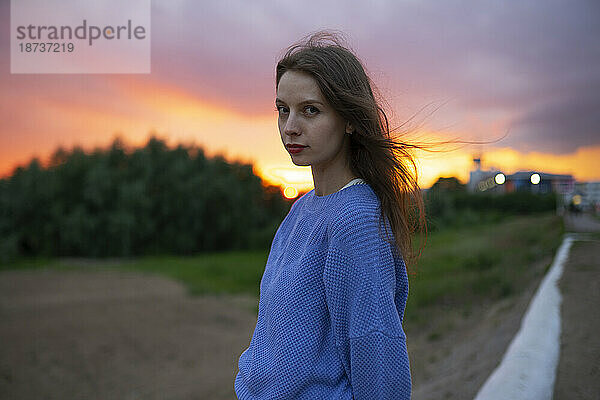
column 357, row 212
column 297, row 203
column 360, row 203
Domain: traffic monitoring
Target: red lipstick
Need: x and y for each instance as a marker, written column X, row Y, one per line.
column 294, row 148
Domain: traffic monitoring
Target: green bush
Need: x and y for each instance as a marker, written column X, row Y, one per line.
column 149, row 200
column 449, row 205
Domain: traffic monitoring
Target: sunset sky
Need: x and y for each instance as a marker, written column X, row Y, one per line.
column 472, row 70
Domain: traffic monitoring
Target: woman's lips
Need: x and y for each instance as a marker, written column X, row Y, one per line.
column 295, row 149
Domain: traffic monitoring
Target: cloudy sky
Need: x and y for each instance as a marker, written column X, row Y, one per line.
column 527, row 72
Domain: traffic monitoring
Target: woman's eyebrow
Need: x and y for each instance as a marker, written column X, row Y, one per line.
column 302, row 102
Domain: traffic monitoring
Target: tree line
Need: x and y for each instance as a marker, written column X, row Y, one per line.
column 449, row 204
column 115, row 202
column 152, row 200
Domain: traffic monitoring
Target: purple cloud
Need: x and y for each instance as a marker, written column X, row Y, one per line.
column 535, row 64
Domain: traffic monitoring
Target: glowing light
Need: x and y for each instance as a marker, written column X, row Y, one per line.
column 577, row 199
column 290, row 192
column 535, row 178
column 500, row 178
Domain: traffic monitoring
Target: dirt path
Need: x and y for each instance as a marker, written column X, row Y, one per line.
column 109, row 335
column 578, row 373
column 93, row 334
column 581, row 223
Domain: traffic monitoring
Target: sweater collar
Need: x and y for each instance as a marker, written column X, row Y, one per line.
column 314, row 203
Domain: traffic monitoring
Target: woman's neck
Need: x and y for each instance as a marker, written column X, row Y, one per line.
column 331, row 184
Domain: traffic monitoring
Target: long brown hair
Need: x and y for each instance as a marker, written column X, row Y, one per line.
column 385, row 163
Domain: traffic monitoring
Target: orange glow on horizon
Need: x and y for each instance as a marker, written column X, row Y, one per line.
column 138, row 108
column 458, row 163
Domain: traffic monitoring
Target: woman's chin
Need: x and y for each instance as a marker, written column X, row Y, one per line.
column 300, row 163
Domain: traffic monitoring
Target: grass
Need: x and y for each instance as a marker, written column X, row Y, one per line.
column 487, row 261
column 458, row 265
column 225, row 272
column 230, row 272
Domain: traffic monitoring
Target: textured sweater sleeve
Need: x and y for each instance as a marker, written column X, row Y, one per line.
column 360, row 278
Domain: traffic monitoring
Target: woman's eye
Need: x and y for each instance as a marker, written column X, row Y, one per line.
column 311, row 110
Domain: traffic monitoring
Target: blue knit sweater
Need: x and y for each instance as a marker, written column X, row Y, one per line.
column 332, row 300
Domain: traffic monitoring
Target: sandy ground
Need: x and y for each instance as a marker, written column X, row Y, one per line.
column 106, row 335
column 578, row 373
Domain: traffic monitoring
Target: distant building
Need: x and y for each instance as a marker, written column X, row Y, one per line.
column 539, row 182
column 483, row 180
column 495, row 181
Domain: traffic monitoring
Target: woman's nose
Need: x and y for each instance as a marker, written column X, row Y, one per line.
column 291, row 125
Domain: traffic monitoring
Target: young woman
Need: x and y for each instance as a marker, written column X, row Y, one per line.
column 335, row 285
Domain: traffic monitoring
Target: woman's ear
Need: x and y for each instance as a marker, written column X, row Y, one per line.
column 349, row 128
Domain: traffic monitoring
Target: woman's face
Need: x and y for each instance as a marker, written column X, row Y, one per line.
column 305, row 118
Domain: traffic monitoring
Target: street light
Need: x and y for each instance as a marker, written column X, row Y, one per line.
column 500, row 178
column 535, row 178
